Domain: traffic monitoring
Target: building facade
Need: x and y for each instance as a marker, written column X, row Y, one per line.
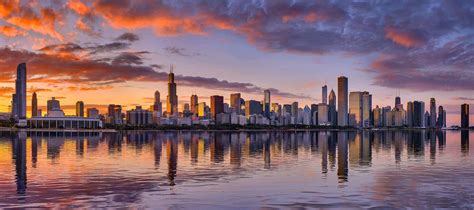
column 342, row 103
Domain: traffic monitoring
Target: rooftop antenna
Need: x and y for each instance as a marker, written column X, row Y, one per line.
column 171, row 68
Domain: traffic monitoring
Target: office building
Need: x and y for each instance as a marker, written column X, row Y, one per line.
column 139, row 117
column 294, row 110
column 93, row 113
column 410, row 113
column 80, row 109
column 217, row 105
column 325, row 94
column 377, row 112
column 194, row 104
column 432, row 113
column 355, row 109
column 266, row 103
column 235, row 103
column 34, row 105
column 252, row 107
column 366, row 110
column 398, row 103
column 202, row 112
column 441, row 123
column 323, row 114
column 276, row 109
column 465, row 116
column 114, row 114
column 332, row 108
column 342, row 103
column 286, row 109
column 172, row 98
column 53, row 105
column 19, row 98
column 157, row 105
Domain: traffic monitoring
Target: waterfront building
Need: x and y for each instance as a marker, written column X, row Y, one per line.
column 80, row 109
column 114, row 114
column 306, row 115
column 34, row 105
column 19, row 98
column 332, row 108
column 441, row 123
column 139, row 117
column 64, row 122
column 325, row 94
column 342, row 103
column 410, row 114
column 418, row 119
column 377, row 112
column 366, row 110
column 432, row 113
column 235, row 102
column 355, row 109
column 172, row 98
column 157, row 105
column 54, row 108
column 266, row 103
column 217, row 105
column 323, row 114
column 194, row 104
column 465, row 116
column 252, row 107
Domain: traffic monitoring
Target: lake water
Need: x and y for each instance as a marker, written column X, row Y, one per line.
column 216, row 170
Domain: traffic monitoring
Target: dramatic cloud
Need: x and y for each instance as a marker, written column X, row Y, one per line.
column 180, row 51
column 131, row 37
column 102, row 73
column 404, row 38
column 11, row 31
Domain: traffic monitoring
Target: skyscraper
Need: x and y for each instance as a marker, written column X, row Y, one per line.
column 342, row 105
column 355, row 109
column 294, row 110
column 398, row 101
column 235, row 102
column 465, row 116
column 441, row 117
column 266, row 103
column 172, row 98
column 157, row 105
column 19, row 98
column 432, row 113
column 410, row 113
column 252, row 107
column 366, row 109
column 34, row 105
column 325, row 94
column 217, row 105
column 332, row 108
column 80, row 109
column 194, row 104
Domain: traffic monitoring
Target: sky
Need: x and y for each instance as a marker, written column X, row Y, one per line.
column 120, row 51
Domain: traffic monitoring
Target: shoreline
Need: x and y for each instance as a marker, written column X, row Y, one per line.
column 12, row 129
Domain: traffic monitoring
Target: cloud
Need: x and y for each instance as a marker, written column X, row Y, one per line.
column 464, row 98
column 6, row 92
column 10, row 31
column 180, row 52
column 131, row 37
column 100, row 74
column 405, row 38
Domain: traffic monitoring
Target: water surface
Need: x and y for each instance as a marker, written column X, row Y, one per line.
column 215, row 170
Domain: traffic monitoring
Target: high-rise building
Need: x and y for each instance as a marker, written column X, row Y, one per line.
column 332, row 108
column 80, row 109
column 418, row 116
column 266, row 103
column 19, row 98
column 441, row 123
column 294, row 110
column 355, row 109
column 323, row 114
column 139, row 117
column 325, row 94
column 378, row 117
column 252, row 107
column 465, row 116
column 276, row 108
column 114, row 114
column 398, row 102
column 366, row 109
column 202, row 110
column 342, row 105
column 157, row 105
column 432, row 113
column 410, row 113
column 53, row 105
column 194, row 104
column 34, row 105
column 217, row 105
column 235, row 103
column 286, row 109
column 172, row 98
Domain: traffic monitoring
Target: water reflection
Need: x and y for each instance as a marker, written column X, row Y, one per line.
column 129, row 163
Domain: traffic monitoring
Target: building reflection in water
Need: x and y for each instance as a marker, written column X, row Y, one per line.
column 339, row 152
column 465, row 142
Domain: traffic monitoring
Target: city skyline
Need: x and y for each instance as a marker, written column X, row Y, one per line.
column 86, row 54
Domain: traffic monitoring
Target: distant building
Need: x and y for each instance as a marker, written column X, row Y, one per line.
column 114, row 114
column 323, row 114
column 80, row 109
column 465, row 116
column 194, row 104
column 202, row 110
column 252, row 107
column 235, row 103
column 266, row 103
column 92, row 113
column 34, row 105
column 286, row 109
column 410, row 114
column 217, row 105
column 325, row 94
column 139, row 117
column 294, row 110
column 332, row 108
column 157, row 105
column 366, row 110
column 342, row 103
column 355, row 109
column 377, row 112
column 19, row 98
column 54, row 108
column 432, row 113
column 172, row 98
column 441, row 123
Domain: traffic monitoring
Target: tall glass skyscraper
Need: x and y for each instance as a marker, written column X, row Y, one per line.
column 266, row 103
column 342, row 105
column 325, row 94
column 465, row 115
column 172, row 99
column 19, row 98
column 432, row 113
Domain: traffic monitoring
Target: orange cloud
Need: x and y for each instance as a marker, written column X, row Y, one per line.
column 404, row 38
column 7, row 7
column 78, row 7
column 11, row 31
column 45, row 23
